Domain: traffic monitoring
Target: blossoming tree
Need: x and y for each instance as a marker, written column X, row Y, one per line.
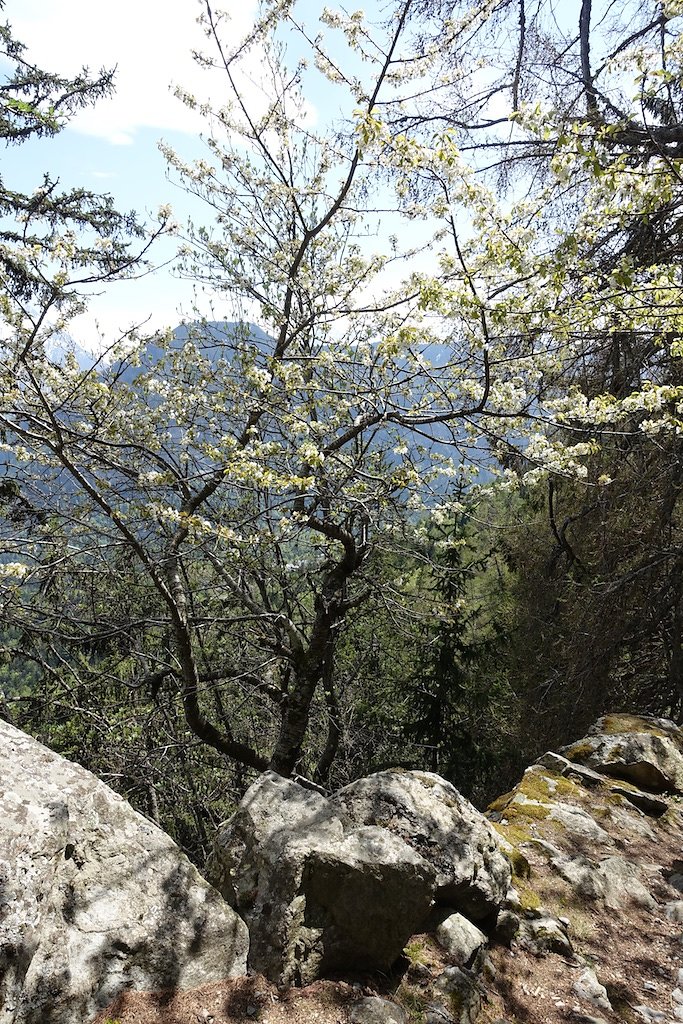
column 253, row 485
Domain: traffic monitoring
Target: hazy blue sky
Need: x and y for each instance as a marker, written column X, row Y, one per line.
column 113, row 146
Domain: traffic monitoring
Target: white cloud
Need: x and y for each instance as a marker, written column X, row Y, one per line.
column 149, row 42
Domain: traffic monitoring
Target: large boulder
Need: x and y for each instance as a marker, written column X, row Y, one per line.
column 644, row 750
column 430, row 815
column 95, row 899
column 316, row 896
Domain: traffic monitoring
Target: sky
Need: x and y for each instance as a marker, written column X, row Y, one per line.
column 113, row 147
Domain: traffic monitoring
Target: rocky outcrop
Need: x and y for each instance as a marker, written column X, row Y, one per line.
column 316, row 897
column 95, row 899
column 566, row 903
column 595, row 871
column 644, row 751
column 431, row 816
column 341, row 883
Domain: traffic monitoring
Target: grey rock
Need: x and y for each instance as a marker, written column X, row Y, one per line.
column 674, row 875
column 507, row 926
column 489, row 971
column 612, row 879
column 625, row 816
column 317, row 895
column 581, row 874
column 653, row 761
column 645, row 802
column 589, row 990
column 374, row 1010
column 95, row 898
column 674, row 911
column 437, row 1013
column 462, row 939
column 563, row 766
column 544, row 935
column 653, row 1016
column 620, row 880
column 429, row 814
column 464, row 995
column 579, row 824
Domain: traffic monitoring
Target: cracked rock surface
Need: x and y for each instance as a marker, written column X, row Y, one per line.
column 94, row 898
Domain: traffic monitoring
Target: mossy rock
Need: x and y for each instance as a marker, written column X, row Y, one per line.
column 541, row 784
column 513, row 834
column 527, row 810
column 529, row 899
column 521, row 869
column 612, row 725
column 500, row 803
column 579, row 751
column 537, row 784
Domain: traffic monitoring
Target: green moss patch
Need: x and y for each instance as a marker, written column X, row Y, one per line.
column 614, row 724
column 416, row 952
column 541, row 784
column 521, row 869
column 579, row 751
column 501, row 802
column 514, row 834
column 529, row 899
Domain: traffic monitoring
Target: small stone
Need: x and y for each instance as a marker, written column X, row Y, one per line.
column 489, row 969
column 650, row 986
column 436, row 1013
column 544, row 935
column 674, row 911
column 419, row 973
column 654, row 1016
column 564, row 921
column 374, row 1010
column 460, row 984
column 463, row 940
column 507, row 926
column 251, row 1010
column 589, row 990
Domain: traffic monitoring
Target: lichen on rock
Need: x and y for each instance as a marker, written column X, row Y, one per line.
column 95, row 899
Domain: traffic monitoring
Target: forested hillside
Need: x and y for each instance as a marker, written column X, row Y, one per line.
column 415, row 501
